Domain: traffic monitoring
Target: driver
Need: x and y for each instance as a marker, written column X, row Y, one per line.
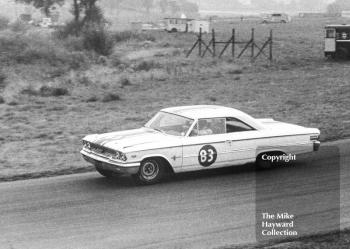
column 204, row 128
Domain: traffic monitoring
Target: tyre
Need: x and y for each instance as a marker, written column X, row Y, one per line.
column 105, row 173
column 330, row 56
column 342, row 53
column 173, row 30
column 151, row 171
column 264, row 164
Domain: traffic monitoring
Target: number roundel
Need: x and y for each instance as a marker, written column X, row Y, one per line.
column 207, row 155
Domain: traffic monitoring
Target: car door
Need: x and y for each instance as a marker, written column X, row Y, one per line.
column 242, row 139
column 206, row 146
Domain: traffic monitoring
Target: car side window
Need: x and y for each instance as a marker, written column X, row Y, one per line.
column 211, row 126
column 236, row 125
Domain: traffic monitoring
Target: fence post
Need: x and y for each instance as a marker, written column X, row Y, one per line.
column 233, row 43
column 200, row 42
column 270, row 55
column 213, row 39
column 252, row 43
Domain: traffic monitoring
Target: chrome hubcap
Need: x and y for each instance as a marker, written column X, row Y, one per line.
column 150, row 170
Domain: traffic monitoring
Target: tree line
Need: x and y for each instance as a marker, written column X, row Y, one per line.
column 338, row 6
column 85, row 6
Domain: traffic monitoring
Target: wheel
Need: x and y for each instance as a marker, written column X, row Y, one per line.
column 263, row 164
column 173, row 30
column 330, row 56
column 150, row 172
column 106, row 173
column 342, row 53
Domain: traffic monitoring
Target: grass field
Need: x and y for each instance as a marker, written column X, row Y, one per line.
column 49, row 105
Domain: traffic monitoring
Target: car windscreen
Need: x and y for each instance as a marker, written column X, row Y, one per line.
column 169, row 123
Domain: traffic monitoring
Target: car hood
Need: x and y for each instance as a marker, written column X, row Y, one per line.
column 131, row 140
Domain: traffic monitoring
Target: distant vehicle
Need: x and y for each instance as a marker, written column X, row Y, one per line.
column 276, row 18
column 345, row 14
column 197, row 25
column 192, row 138
column 186, row 25
column 337, row 41
column 177, row 24
column 46, row 22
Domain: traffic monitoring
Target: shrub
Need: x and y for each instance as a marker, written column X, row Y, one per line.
column 47, row 91
column 78, row 60
column 98, row 40
column 131, row 35
column 146, row 65
column 30, row 91
column 115, row 60
column 74, row 43
column 84, row 80
column 19, row 26
column 92, row 99
column 235, row 71
column 70, row 29
column 124, row 82
column 2, row 80
column 11, row 45
column 37, row 47
column 111, row 97
column 4, row 22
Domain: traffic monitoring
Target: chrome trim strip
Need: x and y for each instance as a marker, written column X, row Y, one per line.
column 246, row 139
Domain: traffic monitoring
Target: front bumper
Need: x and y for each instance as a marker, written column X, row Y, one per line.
column 317, row 145
column 109, row 164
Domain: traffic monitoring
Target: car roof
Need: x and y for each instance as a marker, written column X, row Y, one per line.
column 338, row 26
column 204, row 111
column 213, row 111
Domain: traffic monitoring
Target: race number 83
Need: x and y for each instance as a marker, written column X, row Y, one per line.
column 207, row 155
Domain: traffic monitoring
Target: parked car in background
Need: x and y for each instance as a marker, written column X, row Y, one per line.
column 191, row 138
column 276, row 18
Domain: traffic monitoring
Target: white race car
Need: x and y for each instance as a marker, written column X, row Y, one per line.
column 190, row 138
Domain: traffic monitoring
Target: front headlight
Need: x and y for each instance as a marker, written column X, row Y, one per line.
column 119, row 156
column 86, row 144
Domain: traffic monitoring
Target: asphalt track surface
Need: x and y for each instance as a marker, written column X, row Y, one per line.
column 194, row 210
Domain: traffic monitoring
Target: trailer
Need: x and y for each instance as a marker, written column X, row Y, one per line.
column 337, row 41
column 175, row 24
column 195, row 26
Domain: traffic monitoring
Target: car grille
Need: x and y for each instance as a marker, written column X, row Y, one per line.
column 99, row 149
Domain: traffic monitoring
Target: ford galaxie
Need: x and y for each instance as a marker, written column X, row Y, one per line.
column 190, row 138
